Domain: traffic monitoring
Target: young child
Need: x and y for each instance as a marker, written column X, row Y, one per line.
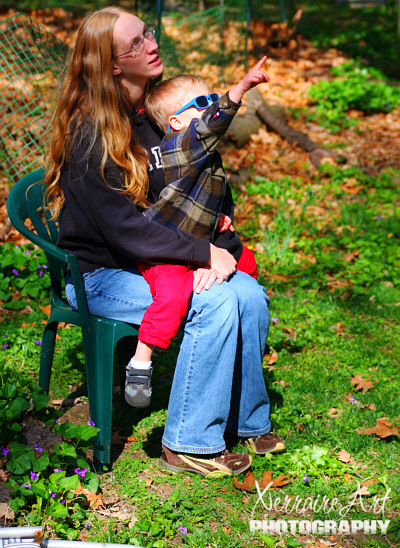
column 192, row 200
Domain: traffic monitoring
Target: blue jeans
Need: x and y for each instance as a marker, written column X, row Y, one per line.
column 218, row 382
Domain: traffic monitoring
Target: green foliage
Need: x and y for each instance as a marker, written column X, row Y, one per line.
column 353, row 88
column 44, row 484
column 176, row 516
column 311, row 462
column 23, row 275
column 364, row 33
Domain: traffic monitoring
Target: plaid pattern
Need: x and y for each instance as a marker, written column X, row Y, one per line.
column 194, row 176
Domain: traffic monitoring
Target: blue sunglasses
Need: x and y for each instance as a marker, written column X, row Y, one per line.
column 201, row 103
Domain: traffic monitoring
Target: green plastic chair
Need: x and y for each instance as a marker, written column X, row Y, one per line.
column 100, row 335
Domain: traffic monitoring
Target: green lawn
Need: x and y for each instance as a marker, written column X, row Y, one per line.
column 332, row 273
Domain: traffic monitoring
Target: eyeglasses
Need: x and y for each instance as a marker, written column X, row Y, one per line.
column 138, row 44
column 201, row 103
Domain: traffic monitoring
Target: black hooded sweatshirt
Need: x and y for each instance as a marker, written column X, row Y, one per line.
column 104, row 228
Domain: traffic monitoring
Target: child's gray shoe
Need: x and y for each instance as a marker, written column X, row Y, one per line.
column 138, row 386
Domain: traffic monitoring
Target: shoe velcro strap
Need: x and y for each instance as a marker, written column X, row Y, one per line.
column 139, row 372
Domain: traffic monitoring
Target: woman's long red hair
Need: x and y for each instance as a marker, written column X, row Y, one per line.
column 89, row 90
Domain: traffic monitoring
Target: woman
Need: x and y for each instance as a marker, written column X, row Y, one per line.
column 103, row 167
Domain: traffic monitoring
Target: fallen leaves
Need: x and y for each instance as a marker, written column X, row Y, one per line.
column 382, row 429
column 46, row 309
column 350, row 256
column 363, row 491
column 344, row 456
column 338, row 327
column 334, row 412
column 271, row 358
column 5, row 511
column 282, row 383
column 249, row 481
column 362, row 384
column 95, row 501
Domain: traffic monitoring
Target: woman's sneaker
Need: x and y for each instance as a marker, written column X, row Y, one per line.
column 138, row 386
column 223, row 464
column 268, row 443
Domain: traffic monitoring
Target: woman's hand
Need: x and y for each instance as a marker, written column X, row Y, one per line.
column 222, row 262
column 203, row 278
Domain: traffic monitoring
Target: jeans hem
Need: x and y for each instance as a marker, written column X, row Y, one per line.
column 253, row 433
column 192, row 449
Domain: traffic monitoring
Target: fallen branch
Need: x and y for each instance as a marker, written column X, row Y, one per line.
column 290, row 134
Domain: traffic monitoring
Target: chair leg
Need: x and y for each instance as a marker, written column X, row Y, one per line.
column 99, row 374
column 46, row 355
column 126, row 347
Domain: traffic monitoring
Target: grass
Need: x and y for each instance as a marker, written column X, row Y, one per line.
column 323, row 333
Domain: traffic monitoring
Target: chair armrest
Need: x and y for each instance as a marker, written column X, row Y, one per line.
column 71, row 261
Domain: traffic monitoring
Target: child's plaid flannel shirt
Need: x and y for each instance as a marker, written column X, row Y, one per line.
column 194, row 176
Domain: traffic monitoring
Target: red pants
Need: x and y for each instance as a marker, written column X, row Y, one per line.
column 171, row 286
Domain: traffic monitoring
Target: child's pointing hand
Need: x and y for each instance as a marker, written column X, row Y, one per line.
column 253, row 78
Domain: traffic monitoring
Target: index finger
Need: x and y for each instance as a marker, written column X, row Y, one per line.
column 261, row 62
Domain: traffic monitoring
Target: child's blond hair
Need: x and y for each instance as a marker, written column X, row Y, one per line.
column 167, row 97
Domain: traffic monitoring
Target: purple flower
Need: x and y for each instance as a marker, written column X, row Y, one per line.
column 182, row 530
column 6, row 336
column 81, row 472
column 15, row 272
column 90, row 422
column 306, row 478
column 53, row 494
column 33, row 476
column 275, row 320
column 39, row 342
column 57, row 470
column 27, row 252
column 62, row 501
column 378, row 218
column 87, row 525
column 4, row 346
column 352, row 399
column 303, row 277
column 5, row 451
column 45, row 266
column 27, row 486
column 38, row 448
column 55, row 421
column 40, row 273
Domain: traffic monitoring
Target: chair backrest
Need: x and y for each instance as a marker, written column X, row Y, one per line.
column 25, row 203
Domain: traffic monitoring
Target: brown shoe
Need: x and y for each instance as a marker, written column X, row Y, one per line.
column 268, row 443
column 210, row 466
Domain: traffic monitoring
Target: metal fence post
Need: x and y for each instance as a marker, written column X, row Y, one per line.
column 246, row 36
column 159, row 13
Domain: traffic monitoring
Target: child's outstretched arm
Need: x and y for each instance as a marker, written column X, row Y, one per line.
column 254, row 77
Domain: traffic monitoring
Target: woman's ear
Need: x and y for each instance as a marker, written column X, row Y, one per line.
column 116, row 70
column 175, row 122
